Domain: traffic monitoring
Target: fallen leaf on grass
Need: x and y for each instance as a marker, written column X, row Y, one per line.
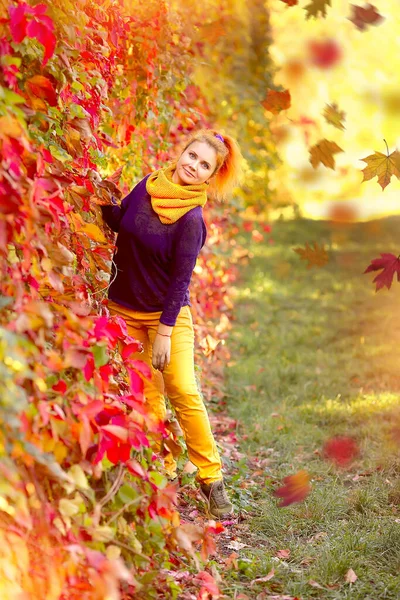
column 296, row 488
column 315, row 584
column 351, row 577
column 317, row 256
column 235, row 545
column 263, row 579
column 283, row 554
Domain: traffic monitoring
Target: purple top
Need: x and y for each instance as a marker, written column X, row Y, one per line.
column 154, row 261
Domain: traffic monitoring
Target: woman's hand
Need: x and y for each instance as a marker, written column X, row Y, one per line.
column 161, row 352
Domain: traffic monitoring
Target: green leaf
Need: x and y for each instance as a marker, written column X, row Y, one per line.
column 76, row 85
column 10, row 97
column 100, row 355
column 59, row 153
column 126, row 493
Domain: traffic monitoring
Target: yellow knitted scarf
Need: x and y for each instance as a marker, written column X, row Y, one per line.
column 171, row 200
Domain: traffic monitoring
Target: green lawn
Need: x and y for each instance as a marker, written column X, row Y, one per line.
column 316, row 353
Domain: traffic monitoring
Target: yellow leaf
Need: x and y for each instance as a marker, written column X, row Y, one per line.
column 315, row 7
column 323, row 152
column 334, row 116
column 10, row 126
column 382, row 166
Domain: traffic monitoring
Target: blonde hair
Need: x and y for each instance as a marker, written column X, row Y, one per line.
column 228, row 172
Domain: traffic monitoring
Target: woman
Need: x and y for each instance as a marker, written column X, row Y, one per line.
column 160, row 234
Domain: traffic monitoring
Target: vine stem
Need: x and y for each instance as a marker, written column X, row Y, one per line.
column 125, row 507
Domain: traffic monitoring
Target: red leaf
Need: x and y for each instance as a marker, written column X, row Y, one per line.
column 130, row 349
column 208, row 582
column 325, row 53
column 136, row 469
column 390, row 265
column 296, row 488
column 136, row 382
column 18, row 22
column 363, row 16
column 60, row 386
column 142, row 367
column 43, row 31
column 341, row 450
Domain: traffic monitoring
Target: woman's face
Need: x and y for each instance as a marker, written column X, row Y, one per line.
column 196, row 164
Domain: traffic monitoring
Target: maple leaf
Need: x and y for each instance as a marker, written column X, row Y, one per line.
column 322, row 152
column 363, row 16
column 296, row 488
column 334, row 116
column 317, row 256
column 383, row 166
column 390, row 264
column 315, row 7
column 324, row 53
column 276, row 101
column 341, row 450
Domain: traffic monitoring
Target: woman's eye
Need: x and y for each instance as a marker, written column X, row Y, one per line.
column 205, row 165
column 191, row 154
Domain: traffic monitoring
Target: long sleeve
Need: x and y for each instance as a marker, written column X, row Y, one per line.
column 188, row 245
column 113, row 213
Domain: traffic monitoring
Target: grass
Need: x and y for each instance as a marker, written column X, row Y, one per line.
column 315, row 353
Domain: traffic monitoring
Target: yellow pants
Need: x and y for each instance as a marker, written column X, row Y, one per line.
column 178, row 381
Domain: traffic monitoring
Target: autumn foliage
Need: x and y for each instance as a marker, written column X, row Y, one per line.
column 79, row 101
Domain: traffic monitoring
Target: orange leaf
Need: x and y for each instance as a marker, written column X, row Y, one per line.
column 322, row 152
column 316, row 255
column 383, row 166
column 263, row 579
column 41, row 87
column 276, row 101
column 296, row 488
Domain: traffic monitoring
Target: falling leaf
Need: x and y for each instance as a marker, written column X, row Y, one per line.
column 315, row 7
column 363, row 16
column 209, row 344
column 383, row 166
column 334, row 116
column 276, row 101
column 390, row 265
column 322, row 152
column 350, row 577
column 316, row 255
column 296, row 488
column 324, row 53
column 341, row 450
column 263, row 579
